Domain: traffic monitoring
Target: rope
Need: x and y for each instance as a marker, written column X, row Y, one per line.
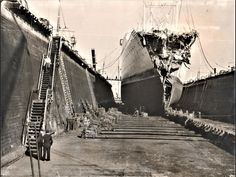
column 109, row 54
column 203, row 53
column 111, row 64
column 220, row 65
column 180, row 10
column 200, row 44
column 172, row 15
column 123, row 49
column 190, row 12
column 187, row 15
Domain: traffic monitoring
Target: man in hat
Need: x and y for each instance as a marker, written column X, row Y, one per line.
column 47, row 139
column 40, row 144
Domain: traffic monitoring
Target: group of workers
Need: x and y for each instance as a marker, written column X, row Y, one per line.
column 44, row 143
column 140, row 112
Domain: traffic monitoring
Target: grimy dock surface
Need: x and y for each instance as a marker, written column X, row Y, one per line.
column 137, row 147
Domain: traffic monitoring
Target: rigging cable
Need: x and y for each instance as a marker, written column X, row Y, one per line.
column 203, row 53
column 109, row 54
column 172, row 16
column 114, row 61
column 123, row 49
column 180, row 10
column 187, row 16
column 200, row 44
column 220, row 65
column 190, row 14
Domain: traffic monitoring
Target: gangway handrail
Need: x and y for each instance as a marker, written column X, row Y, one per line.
column 45, row 112
column 40, row 75
column 42, row 64
column 53, row 72
column 26, row 120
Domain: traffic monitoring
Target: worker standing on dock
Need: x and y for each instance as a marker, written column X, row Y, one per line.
column 47, row 138
column 40, row 144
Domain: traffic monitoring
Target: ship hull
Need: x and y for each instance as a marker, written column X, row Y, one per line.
column 162, row 52
column 141, row 86
column 143, row 91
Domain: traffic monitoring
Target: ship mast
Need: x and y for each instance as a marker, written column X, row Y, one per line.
column 59, row 17
column 144, row 4
column 159, row 3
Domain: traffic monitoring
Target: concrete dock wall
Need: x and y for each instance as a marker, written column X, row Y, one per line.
column 78, row 83
column 103, row 93
column 85, row 83
column 56, row 119
column 213, row 97
column 22, row 50
column 21, row 54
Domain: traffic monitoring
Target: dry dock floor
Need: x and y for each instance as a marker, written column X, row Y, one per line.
column 137, row 147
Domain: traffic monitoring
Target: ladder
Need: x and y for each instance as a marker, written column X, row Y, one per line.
column 64, row 82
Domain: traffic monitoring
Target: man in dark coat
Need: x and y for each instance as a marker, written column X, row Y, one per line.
column 47, row 138
column 40, row 144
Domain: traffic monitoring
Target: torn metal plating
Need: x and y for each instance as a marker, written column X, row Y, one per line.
column 167, row 50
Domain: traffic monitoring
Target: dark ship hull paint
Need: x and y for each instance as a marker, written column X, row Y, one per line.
column 214, row 97
column 22, row 49
column 140, row 85
column 143, row 91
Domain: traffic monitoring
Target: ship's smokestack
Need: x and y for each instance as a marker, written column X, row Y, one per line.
column 93, row 58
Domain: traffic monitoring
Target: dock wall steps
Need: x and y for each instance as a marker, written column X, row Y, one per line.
column 219, row 133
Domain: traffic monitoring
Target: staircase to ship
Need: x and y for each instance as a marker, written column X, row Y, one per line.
column 40, row 102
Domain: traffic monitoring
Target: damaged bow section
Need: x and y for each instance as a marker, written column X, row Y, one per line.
column 168, row 51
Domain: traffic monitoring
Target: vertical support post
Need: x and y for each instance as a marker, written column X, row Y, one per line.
column 93, row 58
column 58, row 17
column 36, row 137
column 45, row 111
column 144, row 15
column 40, row 76
column 31, row 160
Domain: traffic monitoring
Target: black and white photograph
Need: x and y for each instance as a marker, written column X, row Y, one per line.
column 111, row 88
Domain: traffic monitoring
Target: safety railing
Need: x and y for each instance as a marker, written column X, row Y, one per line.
column 45, row 111
column 40, row 77
column 26, row 120
column 53, row 72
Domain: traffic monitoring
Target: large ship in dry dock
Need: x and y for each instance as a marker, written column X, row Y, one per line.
column 149, row 61
column 29, row 93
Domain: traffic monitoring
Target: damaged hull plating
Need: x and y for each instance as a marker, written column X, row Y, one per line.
column 149, row 62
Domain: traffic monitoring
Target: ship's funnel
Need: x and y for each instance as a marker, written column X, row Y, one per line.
column 93, row 58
